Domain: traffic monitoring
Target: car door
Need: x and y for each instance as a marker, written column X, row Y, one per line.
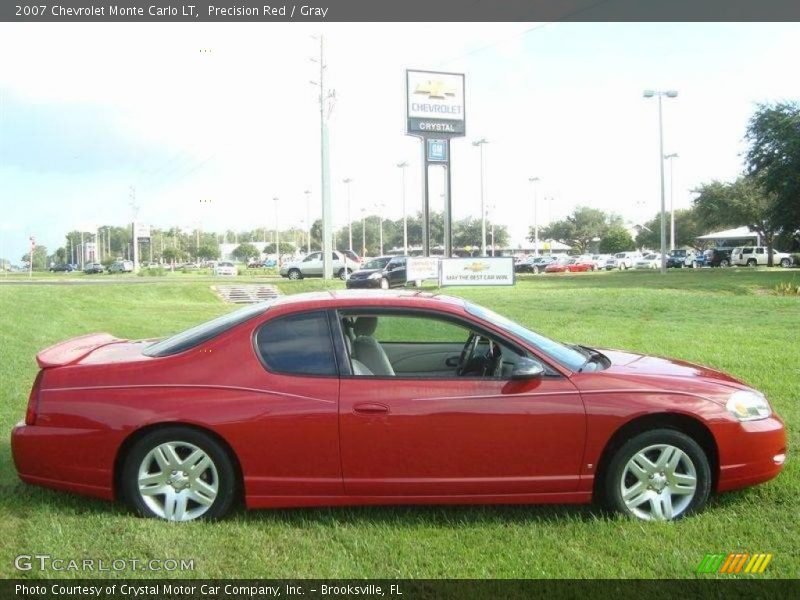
column 396, row 270
column 444, row 435
column 312, row 265
column 761, row 256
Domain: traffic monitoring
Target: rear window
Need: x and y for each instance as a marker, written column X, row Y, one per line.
column 198, row 334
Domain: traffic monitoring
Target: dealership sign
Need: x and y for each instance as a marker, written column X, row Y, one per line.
column 476, row 271
column 420, row 268
column 434, row 103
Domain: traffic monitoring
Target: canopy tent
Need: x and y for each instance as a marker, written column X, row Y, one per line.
column 739, row 233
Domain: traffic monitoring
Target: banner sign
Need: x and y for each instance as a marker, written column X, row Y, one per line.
column 420, row 268
column 481, row 270
column 141, row 231
column 434, row 103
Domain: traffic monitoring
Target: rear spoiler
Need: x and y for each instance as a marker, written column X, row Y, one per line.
column 73, row 350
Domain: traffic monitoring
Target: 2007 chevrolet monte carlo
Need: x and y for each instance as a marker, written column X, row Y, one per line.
column 342, row 398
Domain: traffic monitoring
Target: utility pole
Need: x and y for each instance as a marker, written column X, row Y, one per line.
column 277, row 236
column 671, row 158
column 480, row 144
column 308, row 220
column 135, row 213
column 347, row 181
column 402, row 166
column 533, row 181
column 326, row 99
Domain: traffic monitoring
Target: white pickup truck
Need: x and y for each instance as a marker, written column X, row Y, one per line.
column 751, row 256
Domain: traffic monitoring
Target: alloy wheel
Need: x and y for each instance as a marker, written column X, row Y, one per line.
column 658, row 483
column 178, row 481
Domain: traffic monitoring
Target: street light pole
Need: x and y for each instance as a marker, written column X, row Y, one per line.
column 277, row 237
column 533, row 180
column 671, row 158
column 402, row 166
column 347, row 181
column 660, row 95
column 480, row 144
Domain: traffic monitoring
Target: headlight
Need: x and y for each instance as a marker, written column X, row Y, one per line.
column 748, row 406
column 375, row 275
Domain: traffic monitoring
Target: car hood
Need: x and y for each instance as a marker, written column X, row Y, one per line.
column 363, row 273
column 629, row 363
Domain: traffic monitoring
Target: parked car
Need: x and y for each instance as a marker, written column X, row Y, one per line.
column 751, row 256
column 625, row 260
column 65, row 268
column 226, row 268
column 679, row 258
column 534, row 264
column 600, row 260
column 351, row 398
column 648, row 261
column 93, row 268
column 121, row 266
column 312, row 265
column 568, row 265
column 383, row 272
column 717, row 257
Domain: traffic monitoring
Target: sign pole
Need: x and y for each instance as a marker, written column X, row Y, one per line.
column 426, row 209
column 448, row 208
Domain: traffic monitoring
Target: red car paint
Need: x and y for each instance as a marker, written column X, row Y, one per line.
column 302, row 441
column 571, row 266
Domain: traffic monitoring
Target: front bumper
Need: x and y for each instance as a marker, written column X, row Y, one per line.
column 363, row 283
column 751, row 452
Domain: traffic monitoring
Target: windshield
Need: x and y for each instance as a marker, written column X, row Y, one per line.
column 205, row 331
column 565, row 355
column 377, row 263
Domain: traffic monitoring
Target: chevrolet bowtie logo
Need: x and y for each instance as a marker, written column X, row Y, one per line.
column 435, row 89
column 476, row 267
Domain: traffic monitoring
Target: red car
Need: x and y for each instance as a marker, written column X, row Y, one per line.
column 337, row 398
column 569, row 265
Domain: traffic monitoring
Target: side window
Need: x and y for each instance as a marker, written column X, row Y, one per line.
column 759, row 251
column 747, row 251
column 297, row 345
column 403, row 329
column 311, row 257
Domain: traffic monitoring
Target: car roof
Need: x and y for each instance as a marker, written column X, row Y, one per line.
column 400, row 298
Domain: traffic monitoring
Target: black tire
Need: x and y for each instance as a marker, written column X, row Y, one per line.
column 227, row 484
column 724, row 263
column 294, row 274
column 343, row 273
column 612, row 492
column 384, row 284
column 535, row 270
column 752, row 262
column 785, row 263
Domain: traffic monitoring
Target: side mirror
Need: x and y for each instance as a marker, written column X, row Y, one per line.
column 527, row 368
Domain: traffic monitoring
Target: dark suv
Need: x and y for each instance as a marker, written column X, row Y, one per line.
column 718, row 257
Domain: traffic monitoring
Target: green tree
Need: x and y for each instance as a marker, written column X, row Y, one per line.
column 773, row 161
column 616, row 239
column 285, row 247
column 688, row 225
column 580, row 228
column 743, row 202
column 245, row 252
column 208, row 251
column 172, row 254
column 39, row 258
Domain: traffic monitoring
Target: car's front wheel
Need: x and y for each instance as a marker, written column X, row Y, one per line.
column 179, row 474
column 384, row 284
column 295, row 274
column 659, row 475
column 535, row 270
column 344, row 274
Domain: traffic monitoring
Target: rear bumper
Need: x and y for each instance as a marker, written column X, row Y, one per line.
column 52, row 457
column 752, row 456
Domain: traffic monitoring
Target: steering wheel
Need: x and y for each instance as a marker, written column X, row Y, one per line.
column 467, row 352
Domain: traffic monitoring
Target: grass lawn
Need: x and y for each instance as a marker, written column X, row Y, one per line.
column 724, row 318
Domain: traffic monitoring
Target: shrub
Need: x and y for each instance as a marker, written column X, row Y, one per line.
column 787, row 288
column 152, row 272
column 796, row 259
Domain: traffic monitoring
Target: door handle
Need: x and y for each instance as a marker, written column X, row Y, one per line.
column 371, row 408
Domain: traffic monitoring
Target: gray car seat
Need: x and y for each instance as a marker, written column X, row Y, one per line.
column 367, row 350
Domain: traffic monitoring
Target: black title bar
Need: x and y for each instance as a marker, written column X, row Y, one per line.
column 398, row 10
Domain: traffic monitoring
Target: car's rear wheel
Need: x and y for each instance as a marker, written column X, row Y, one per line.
column 384, row 284
column 785, row 263
column 752, row 262
column 343, row 274
column 179, row 474
column 295, row 274
column 724, row 263
column 659, row 475
column 622, row 267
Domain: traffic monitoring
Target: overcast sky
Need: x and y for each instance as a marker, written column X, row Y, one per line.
column 89, row 110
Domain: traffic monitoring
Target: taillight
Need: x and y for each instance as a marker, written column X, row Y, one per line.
column 33, row 400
